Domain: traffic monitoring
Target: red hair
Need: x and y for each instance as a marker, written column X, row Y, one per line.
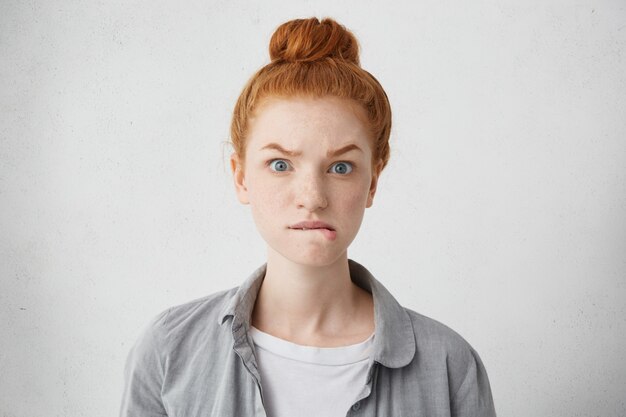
column 315, row 59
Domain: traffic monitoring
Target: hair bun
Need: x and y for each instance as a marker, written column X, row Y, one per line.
column 304, row 40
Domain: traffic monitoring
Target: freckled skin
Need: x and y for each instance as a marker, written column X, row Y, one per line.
column 310, row 186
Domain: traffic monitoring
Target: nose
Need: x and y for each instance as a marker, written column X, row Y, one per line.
column 310, row 192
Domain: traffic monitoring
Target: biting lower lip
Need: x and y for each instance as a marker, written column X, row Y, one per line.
column 327, row 233
column 313, row 228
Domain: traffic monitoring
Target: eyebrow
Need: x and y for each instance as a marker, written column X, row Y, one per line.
column 330, row 154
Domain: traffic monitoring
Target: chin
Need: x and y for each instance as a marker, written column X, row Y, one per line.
column 313, row 259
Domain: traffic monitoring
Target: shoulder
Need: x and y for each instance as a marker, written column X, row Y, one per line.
column 434, row 334
column 440, row 347
column 199, row 312
column 170, row 338
column 434, row 337
column 179, row 323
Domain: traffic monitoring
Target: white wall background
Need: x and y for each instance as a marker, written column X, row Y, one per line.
column 502, row 212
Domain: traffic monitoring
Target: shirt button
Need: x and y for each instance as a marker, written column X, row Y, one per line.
column 356, row 406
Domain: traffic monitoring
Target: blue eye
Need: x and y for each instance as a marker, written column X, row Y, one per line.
column 341, row 167
column 281, row 164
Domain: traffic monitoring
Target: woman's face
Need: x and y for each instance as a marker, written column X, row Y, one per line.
column 291, row 175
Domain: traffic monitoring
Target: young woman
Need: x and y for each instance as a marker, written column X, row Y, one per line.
column 310, row 332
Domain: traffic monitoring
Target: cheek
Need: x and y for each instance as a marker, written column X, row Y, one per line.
column 266, row 197
column 354, row 196
column 351, row 201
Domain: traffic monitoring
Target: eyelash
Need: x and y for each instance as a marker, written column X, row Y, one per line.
column 268, row 163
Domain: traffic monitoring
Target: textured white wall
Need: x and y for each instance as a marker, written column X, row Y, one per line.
column 502, row 212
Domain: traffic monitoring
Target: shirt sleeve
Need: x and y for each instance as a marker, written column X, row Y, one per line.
column 143, row 373
column 473, row 398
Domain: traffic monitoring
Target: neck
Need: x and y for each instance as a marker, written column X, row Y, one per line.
column 302, row 302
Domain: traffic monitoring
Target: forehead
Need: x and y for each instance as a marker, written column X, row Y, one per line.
column 297, row 121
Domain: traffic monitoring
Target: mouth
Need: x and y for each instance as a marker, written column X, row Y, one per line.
column 311, row 225
column 327, row 230
column 312, row 228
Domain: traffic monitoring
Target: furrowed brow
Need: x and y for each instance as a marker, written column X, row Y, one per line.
column 330, row 154
column 280, row 149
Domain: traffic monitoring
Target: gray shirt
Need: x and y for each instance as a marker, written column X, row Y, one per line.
column 198, row 359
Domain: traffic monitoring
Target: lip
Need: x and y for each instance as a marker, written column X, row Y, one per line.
column 311, row 225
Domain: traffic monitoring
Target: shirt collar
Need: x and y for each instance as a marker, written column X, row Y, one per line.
column 394, row 342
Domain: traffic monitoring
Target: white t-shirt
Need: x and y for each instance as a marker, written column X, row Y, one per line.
column 294, row 377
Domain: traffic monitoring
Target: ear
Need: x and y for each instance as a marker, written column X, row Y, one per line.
column 374, row 183
column 236, row 166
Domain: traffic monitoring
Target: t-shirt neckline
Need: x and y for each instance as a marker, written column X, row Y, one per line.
column 341, row 355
